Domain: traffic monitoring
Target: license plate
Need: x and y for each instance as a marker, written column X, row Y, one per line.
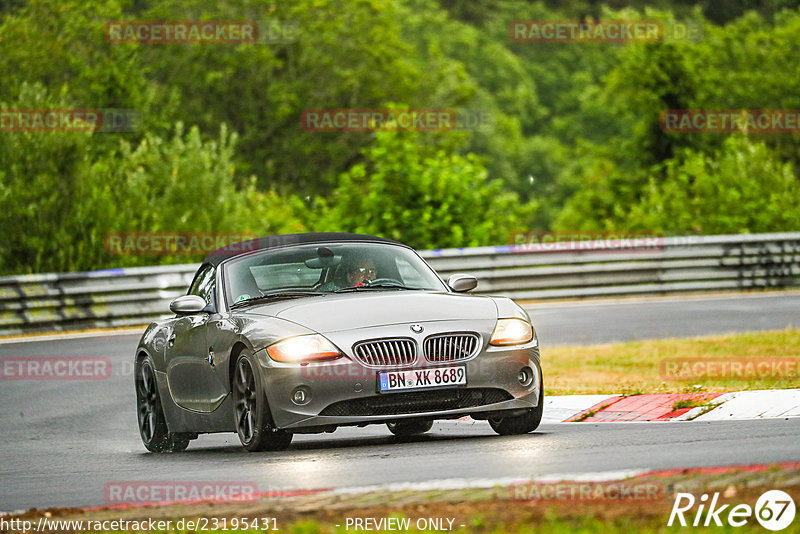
column 422, row 378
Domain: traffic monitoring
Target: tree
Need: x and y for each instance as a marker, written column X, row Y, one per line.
column 743, row 187
column 63, row 192
column 423, row 197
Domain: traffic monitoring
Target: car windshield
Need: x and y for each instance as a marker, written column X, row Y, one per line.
column 326, row 268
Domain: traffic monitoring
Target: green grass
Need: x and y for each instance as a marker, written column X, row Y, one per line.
column 688, row 403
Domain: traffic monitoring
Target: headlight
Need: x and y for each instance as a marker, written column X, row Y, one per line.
column 303, row 349
column 511, row 332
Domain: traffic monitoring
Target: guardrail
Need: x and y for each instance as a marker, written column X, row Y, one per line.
column 134, row 296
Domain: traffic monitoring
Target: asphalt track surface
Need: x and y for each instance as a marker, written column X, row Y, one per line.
column 63, row 441
column 591, row 322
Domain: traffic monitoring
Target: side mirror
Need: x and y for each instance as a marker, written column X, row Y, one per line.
column 461, row 283
column 187, row 304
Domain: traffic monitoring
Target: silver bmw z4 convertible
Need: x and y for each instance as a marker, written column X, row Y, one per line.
column 305, row 333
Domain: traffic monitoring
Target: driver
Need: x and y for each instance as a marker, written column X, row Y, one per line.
column 362, row 271
column 353, row 272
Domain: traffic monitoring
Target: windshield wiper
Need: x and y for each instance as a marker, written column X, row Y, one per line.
column 381, row 285
column 276, row 295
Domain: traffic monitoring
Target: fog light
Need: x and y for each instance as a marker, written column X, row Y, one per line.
column 301, row 395
column 525, row 376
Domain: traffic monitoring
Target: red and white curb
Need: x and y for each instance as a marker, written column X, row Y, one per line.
column 778, row 403
column 774, row 403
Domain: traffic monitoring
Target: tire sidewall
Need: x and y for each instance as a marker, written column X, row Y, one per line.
column 261, row 415
column 522, row 424
column 161, row 438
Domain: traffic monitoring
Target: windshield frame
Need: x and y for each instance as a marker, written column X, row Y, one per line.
column 223, row 269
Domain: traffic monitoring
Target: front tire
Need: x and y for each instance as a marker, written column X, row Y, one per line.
column 253, row 420
column 521, row 424
column 152, row 423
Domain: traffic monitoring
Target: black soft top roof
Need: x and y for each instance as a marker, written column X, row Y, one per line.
column 263, row 243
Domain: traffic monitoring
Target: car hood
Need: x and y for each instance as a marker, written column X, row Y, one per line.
column 332, row 313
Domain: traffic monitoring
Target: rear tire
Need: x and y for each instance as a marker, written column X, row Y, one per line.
column 250, row 410
column 409, row 428
column 521, row 424
column 152, row 423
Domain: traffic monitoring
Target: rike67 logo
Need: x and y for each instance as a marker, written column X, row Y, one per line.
column 774, row 510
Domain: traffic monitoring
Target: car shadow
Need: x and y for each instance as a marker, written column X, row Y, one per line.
column 321, row 442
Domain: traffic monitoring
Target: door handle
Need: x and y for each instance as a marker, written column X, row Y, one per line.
column 171, row 341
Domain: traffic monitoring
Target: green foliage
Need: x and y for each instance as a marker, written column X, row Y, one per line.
column 340, row 55
column 61, row 45
column 743, row 187
column 64, row 193
column 185, row 184
column 574, row 134
column 632, row 179
column 426, row 198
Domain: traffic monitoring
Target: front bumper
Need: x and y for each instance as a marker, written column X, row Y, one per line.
column 345, row 392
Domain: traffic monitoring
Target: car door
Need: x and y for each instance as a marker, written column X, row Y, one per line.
column 191, row 371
